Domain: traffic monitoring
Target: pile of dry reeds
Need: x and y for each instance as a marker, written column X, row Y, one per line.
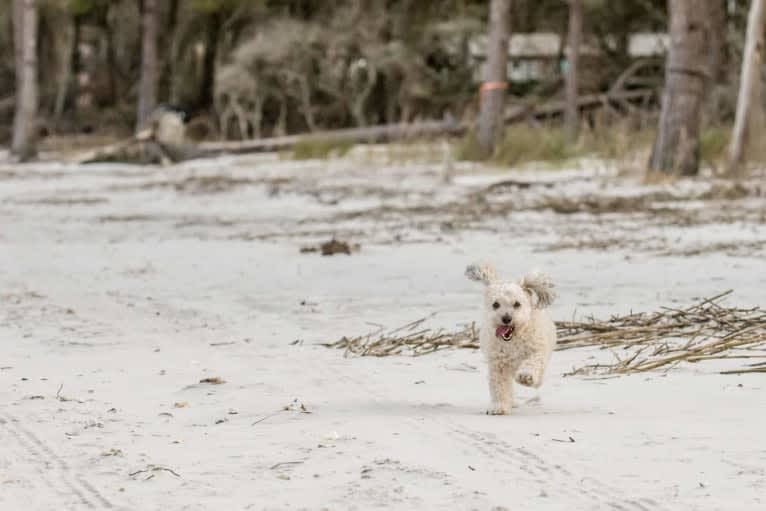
column 410, row 339
column 704, row 331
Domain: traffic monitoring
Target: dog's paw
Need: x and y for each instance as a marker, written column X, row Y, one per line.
column 526, row 379
column 498, row 410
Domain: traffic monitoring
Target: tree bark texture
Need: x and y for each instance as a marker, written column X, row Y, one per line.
column 748, row 100
column 148, row 86
column 25, row 22
column 718, row 28
column 212, row 35
column 495, row 77
column 66, row 73
column 571, row 114
column 676, row 148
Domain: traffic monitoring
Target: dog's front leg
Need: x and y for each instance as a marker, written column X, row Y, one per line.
column 532, row 370
column 500, row 388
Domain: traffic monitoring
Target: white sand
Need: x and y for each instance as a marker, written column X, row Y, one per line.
column 129, row 315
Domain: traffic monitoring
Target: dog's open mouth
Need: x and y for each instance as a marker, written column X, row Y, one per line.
column 504, row 332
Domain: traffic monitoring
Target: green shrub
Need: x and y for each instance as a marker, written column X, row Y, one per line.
column 320, row 148
column 521, row 144
column 714, row 141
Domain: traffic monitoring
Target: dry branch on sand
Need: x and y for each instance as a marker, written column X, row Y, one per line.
column 409, row 339
column 704, row 331
column 154, row 468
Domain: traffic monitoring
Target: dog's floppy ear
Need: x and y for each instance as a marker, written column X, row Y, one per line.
column 539, row 286
column 481, row 273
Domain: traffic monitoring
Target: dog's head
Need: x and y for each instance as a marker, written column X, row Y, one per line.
column 508, row 305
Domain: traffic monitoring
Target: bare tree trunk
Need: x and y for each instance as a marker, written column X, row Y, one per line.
column 168, row 51
column 717, row 39
column 717, row 96
column 25, row 20
column 495, row 77
column 749, row 86
column 147, row 90
column 113, row 81
column 66, row 72
column 215, row 24
column 571, row 114
column 676, row 148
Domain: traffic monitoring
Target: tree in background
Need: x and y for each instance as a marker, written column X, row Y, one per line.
column 493, row 90
column 25, row 22
column 748, row 100
column 571, row 113
column 348, row 63
column 208, row 32
column 676, row 148
column 150, row 66
column 718, row 27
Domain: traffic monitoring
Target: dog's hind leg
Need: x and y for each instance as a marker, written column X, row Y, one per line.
column 500, row 388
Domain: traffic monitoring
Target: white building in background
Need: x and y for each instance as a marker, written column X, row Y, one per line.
column 539, row 55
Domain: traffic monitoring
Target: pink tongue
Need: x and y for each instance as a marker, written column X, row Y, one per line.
column 503, row 331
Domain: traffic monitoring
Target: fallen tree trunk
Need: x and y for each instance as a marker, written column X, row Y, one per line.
column 143, row 147
column 163, row 141
column 391, row 132
column 586, row 102
column 372, row 134
column 108, row 152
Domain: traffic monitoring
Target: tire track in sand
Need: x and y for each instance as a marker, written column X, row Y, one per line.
column 526, row 463
column 37, row 481
column 52, row 469
column 521, row 462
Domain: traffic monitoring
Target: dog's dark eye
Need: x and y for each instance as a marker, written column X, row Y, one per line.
column 516, row 305
column 495, row 305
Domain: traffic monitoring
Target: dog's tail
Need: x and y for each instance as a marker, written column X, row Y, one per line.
column 483, row 272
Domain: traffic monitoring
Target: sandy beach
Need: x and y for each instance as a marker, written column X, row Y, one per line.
column 123, row 287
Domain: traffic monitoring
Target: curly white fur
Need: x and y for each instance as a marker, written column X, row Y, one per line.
column 515, row 308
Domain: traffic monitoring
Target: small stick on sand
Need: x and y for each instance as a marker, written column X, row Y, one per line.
column 266, row 417
column 284, row 463
column 154, row 468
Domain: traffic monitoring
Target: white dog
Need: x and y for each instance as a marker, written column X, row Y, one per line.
column 516, row 334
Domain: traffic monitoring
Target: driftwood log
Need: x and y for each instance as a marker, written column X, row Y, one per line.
column 585, row 102
column 392, row 132
column 162, row 141
column 384, row 133
column 172, row 149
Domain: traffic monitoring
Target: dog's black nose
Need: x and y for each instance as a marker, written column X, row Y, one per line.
column 506, row 319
